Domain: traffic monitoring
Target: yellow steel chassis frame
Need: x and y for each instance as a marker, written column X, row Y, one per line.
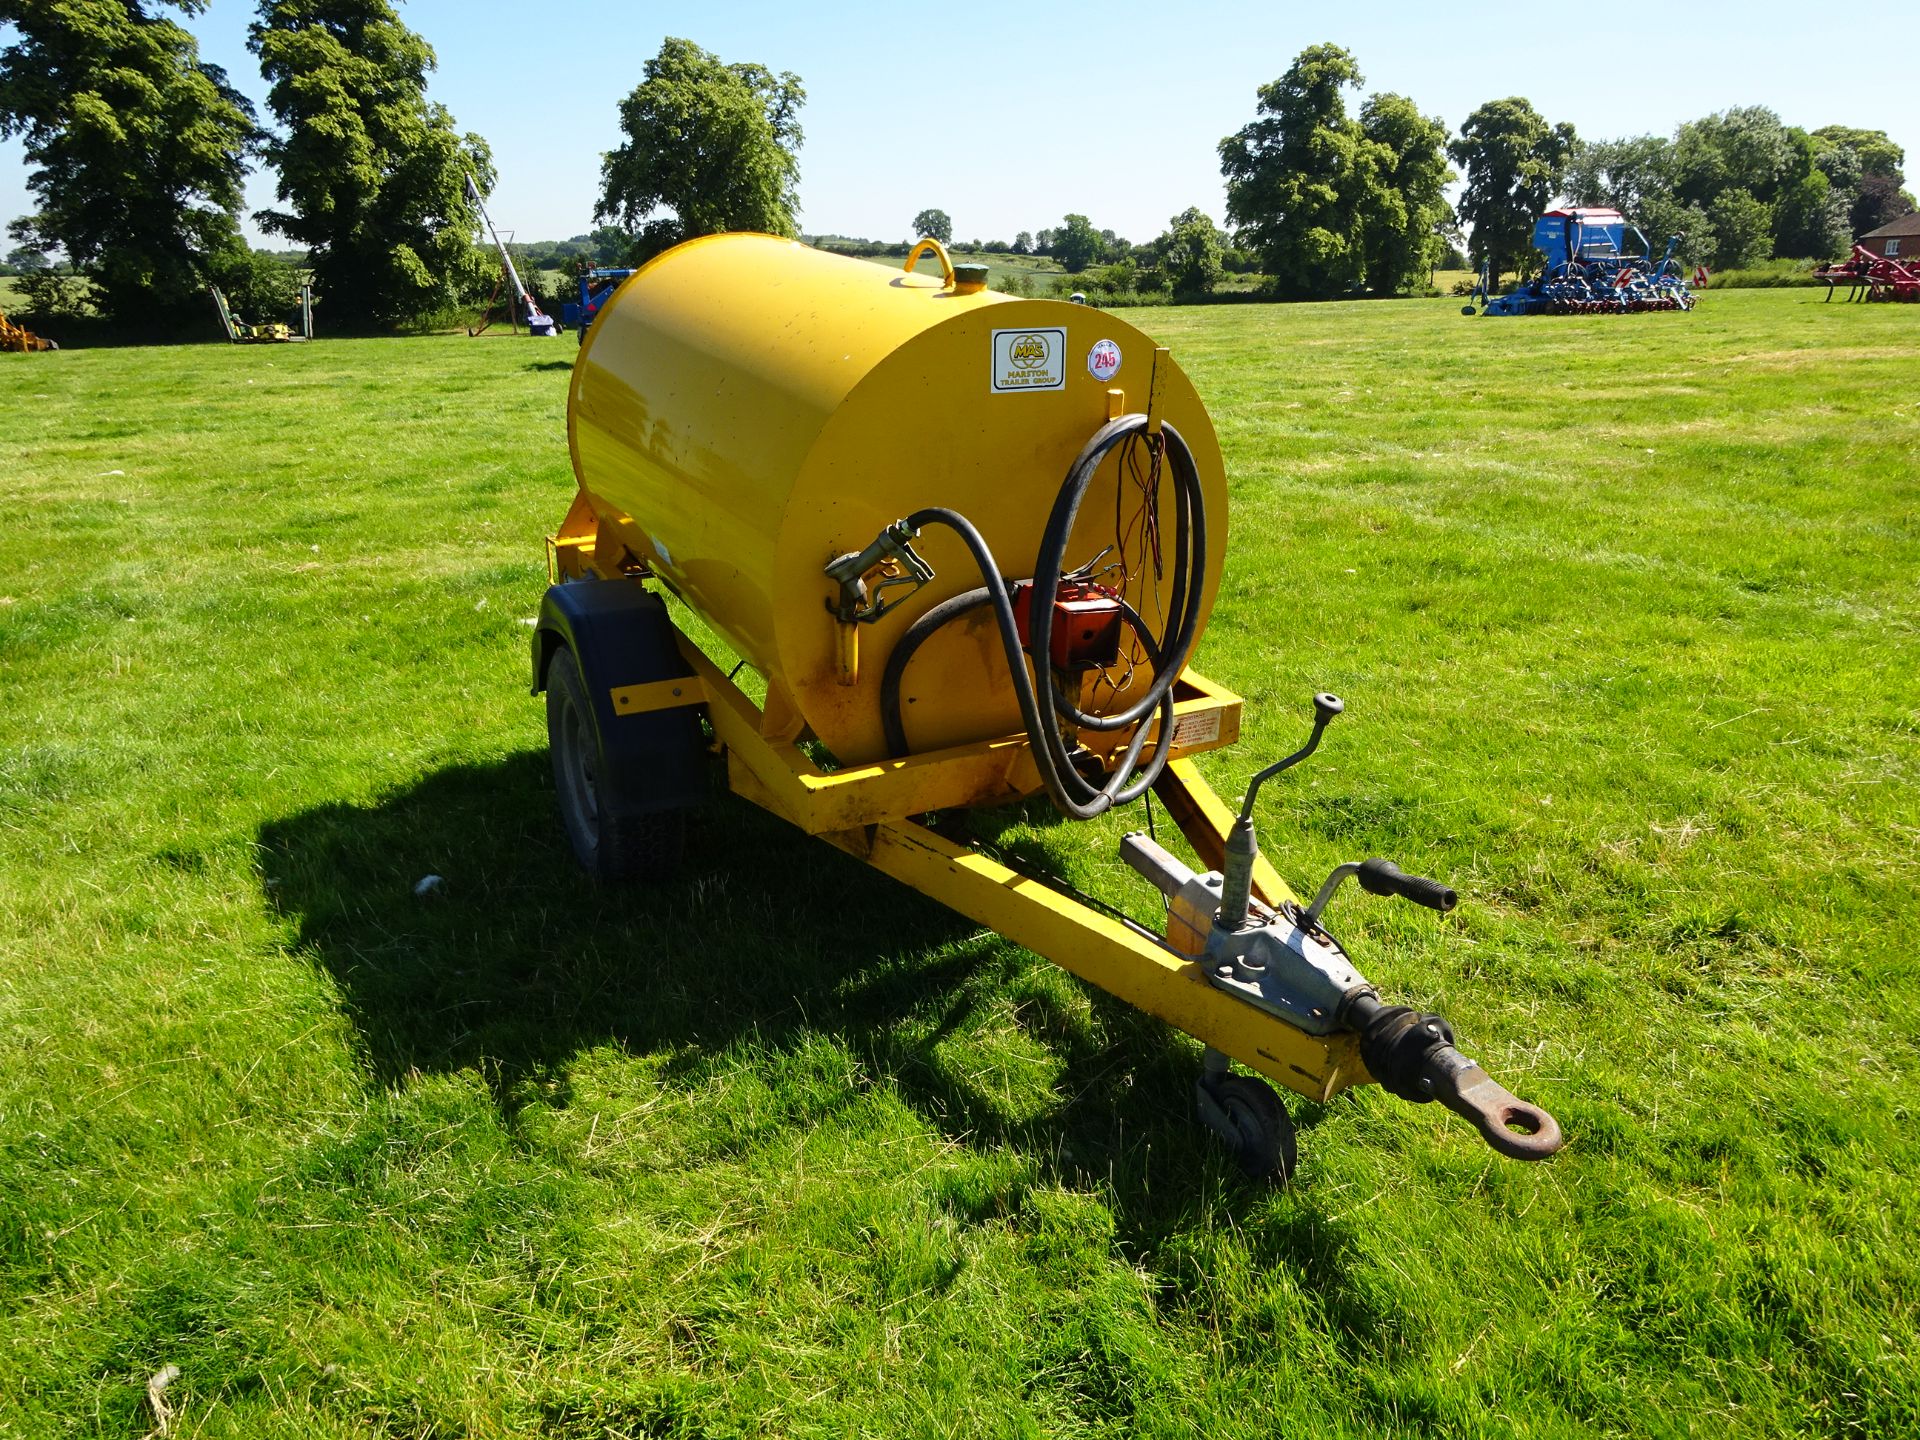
column 868, row 811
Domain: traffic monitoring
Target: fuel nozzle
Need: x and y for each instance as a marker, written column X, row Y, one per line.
column 1242, row 849
column 891, row 548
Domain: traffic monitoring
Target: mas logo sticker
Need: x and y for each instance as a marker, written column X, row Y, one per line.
column 1029, row 360
column 1103, row 360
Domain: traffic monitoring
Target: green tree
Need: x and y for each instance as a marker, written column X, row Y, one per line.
column 1296, row 175
column 1023, row 243
column 933, row 223
column 1638, row 176
column 710, row 142
column 1403, row 204
column 1190, row 253
column 1748, row 151
column 1623, row 175
column 1742, row 227
column 1879, row 202
column 1809, row 213
column 257, row 285
column 1514, row 162
column 1077, row 244
column 1745, row 148
column 610, row 246
column 139, row 149
column 1864, row 167
column 374, row 174
column 1878, row 153
column 1662, row 217
column 1635, row 176
column 54, row 293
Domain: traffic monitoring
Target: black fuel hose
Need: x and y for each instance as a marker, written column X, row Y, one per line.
column 917, row 634
column 1070, row 791
column 893, row 718
column 1189, row 566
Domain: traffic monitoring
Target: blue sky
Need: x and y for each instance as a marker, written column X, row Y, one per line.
column 1009, row 116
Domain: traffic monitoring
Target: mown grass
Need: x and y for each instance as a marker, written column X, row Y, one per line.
column 1623, row 611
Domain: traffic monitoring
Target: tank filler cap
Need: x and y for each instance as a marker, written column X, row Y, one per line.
column 969, row 279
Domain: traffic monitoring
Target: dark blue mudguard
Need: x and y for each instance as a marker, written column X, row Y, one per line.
column 620, row 634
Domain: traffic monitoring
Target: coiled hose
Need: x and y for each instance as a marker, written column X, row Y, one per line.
column 1070, row 791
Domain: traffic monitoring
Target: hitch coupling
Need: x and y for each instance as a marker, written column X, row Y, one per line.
column 1286, row 963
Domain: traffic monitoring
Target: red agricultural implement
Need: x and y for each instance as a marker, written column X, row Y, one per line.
column 1868, row 276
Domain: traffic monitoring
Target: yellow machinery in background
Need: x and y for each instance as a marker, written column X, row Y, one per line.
column 265, row 332
column 19, row 338
column 969, row 541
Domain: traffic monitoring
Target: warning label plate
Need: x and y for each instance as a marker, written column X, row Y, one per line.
column 1029, row 360
column 1196, row 729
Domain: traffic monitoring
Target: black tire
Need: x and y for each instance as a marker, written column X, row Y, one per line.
column 1259, row 1132
column 613, row 843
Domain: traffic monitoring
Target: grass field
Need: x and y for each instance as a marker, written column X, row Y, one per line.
column 1624, row 614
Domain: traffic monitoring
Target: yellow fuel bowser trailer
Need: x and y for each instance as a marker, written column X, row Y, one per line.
column 969, row 541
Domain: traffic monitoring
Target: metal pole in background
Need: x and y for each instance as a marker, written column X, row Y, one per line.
column 513, row 275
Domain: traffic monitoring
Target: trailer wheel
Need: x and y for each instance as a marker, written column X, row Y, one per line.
column 1247, row 1114
column 613, row 842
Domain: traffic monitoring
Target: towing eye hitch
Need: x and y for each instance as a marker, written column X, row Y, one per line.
column 1412, row 1056
column 1284, row 961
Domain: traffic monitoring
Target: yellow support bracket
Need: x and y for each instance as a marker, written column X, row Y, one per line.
column 657, row 695
column 986, row 772
column 1205, row 820
column 1109, row 955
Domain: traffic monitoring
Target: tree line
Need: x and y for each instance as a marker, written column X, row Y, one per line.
column 1323, row 199
column 1336, row 204
column 1741, row 186
column 139, row 149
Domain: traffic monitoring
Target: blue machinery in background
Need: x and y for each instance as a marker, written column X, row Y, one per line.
column 1589, row 271
column 595, row 286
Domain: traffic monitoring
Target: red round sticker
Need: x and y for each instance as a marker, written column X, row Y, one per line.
column 1103, row 361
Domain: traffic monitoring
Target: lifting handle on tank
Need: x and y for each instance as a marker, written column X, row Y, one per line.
column 939, row 252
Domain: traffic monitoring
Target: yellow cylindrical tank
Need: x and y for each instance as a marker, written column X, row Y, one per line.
column 746, row 408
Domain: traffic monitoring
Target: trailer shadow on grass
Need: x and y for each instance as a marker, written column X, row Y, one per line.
column 516, row 964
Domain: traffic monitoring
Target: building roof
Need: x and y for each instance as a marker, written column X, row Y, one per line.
column 1905, row 225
